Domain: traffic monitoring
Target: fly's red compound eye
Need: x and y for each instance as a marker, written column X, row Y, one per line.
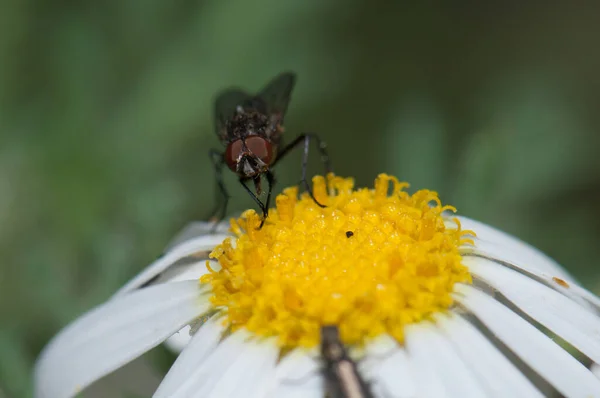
column 232, row 153
column 260, row 148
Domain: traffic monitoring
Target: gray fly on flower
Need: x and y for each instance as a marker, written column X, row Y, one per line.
column 427, row 304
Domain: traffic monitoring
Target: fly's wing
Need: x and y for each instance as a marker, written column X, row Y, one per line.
column 225, row 106
column 276, row 95
column 272, row 100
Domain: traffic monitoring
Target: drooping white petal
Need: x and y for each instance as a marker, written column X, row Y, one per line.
column 190, row 247
column 297, row 375
column 197, row 351
column 544, row 356
column 387, row 368
column 183, row 272
column 196, row 229
column 498, row 244
column 568, row 319
column 178, row 341
column 497, row 374
column 427, row 346
column 187, row 271
column 113, row 334
column 247, row 375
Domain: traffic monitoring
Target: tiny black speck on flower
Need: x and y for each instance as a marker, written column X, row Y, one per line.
column 349, row 234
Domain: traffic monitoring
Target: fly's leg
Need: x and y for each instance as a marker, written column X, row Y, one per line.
column 306, row 138
column 263, row 208
column 221, row 195
column 271, row 182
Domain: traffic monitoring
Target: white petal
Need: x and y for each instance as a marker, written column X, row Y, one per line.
column 505, row 248
column 501, row 245
column 299, row 375
column 203, row 377
column 569, row 289
column 113, row 334
column 574, row 323
column 313, row 387
column 595, row 368
column 179, row 340
column 498, row 375
column 578, row 291
column 388, row 369
column 381, row 347
column 298, row 365
column 247, row 375
column 427, row 346
column 184, row 272
column 201, row 345
column 264, row 380
column 426, row 379
column 544, row 356
column 196, row 229
column 184, row 249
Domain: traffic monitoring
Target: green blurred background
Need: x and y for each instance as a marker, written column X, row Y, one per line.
column 106, row 121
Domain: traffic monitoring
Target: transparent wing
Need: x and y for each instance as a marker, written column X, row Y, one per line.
column 273, row 99
column 276, row 95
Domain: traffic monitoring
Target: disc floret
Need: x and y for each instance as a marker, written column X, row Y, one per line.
column 303, row 269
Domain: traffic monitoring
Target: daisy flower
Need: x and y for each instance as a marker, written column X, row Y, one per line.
column 428, row 304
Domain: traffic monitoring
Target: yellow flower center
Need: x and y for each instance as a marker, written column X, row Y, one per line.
column 370, row 262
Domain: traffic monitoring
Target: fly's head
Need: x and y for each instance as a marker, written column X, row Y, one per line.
column 250, row 152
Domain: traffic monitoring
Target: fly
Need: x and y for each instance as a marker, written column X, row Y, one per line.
column 341, row 373
column 251, row 129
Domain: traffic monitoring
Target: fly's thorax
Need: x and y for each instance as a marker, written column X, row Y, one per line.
column 247, row 123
